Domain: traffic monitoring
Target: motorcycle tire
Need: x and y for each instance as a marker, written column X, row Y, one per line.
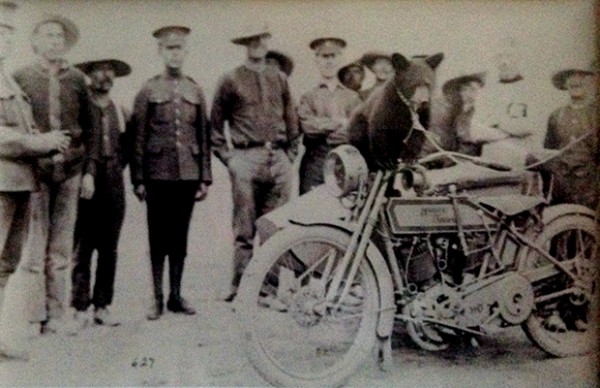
column 565, row 326
column 289, row 339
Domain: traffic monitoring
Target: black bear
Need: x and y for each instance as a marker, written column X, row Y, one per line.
column 383, row 127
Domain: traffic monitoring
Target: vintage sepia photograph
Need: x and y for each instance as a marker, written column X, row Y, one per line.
column 291, row 193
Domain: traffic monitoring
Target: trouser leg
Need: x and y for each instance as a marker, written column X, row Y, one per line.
column 183, row 193
column 243, row 171
column 114, row 208
column 14, row 224
column 86, row 229
column 34, row 254
column 158, row 233
column 14, row 314
column 63, row 214
column 311, row 166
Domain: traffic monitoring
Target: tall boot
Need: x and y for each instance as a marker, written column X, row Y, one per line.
column 156, row 310
column 176, row 302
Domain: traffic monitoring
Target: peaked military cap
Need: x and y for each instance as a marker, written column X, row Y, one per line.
column 326, row 45
column 172, row 35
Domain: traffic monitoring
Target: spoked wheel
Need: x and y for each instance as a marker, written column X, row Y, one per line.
column 564, row 320
column 294, row 336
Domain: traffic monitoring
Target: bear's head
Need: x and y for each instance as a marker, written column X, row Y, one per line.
column 415, row 78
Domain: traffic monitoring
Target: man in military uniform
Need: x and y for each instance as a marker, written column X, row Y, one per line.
column 324, row 112
column 99, row 219
column 60, row 101
column 576, row 171
column 18, row 144
column 170, row 165
column 255, row 100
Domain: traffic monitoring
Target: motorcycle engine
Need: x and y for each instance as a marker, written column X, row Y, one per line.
column 426, row 258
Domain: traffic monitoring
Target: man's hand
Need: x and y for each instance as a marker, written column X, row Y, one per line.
column 57, row 140
column 140, row 192
column 87, row 187
column 201, row 192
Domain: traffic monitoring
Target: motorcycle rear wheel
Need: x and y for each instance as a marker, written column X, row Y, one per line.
column 293, row 336
column 565, row 238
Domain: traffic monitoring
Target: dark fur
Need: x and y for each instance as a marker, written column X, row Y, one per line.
column 380, row 126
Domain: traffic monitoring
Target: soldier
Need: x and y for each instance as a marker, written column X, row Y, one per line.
column 576, row 170
column 60, row 101
column 381, row 66
column 324, row 112
column 170, row 165
column 19, row 142
column 99, row 219
column 255, row 100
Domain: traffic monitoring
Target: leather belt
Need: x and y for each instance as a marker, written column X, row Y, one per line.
column 269, row 145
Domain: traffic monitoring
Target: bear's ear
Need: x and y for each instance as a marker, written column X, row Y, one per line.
column 400, row 62
column 434, row 60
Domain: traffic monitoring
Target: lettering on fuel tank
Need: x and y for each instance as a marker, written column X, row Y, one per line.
column 438, row 214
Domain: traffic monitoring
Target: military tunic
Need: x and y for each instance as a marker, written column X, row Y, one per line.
column 170, row 158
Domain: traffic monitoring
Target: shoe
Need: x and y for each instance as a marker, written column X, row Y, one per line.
column 103, row 317
column 554, row 323
column 52, row 326
column 156, row 310
column 231, row 297
column 180, row 305
column 79, row 322
column 10, row 353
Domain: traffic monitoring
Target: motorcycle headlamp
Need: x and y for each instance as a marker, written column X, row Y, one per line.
column 344, row 170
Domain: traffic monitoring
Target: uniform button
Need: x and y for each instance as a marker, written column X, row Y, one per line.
column 178, row 143
column 177, row 121
column 177, row 133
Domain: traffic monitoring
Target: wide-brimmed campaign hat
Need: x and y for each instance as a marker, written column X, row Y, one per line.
column 7, row 10
column 120, row 68
column 453, row 85
column 250, row 32
column 285, row 61
column 70, row 28
column 560, row 77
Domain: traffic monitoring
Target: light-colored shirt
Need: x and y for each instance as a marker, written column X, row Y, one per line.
column 324, row 112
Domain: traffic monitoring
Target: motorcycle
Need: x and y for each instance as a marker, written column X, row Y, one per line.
column 447, row 254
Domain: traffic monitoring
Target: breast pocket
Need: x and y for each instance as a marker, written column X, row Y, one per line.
column 161, row 108
column 188, row 108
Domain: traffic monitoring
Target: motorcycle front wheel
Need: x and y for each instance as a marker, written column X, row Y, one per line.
column 294, row 336
column 565, row 325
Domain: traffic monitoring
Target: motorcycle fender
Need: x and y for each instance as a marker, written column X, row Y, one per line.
column 315, row 207
column 553, row 212
column 387, row 307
